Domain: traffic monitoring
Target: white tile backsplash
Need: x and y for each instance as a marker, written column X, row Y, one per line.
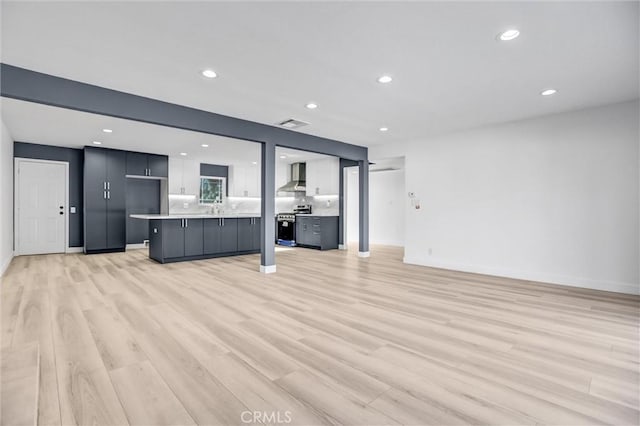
column 320, row 204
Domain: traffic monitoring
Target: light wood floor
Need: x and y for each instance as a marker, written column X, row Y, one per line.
column 329, row 339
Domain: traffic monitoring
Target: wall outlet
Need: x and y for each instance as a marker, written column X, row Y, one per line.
column 185, row 205
column 72, row 209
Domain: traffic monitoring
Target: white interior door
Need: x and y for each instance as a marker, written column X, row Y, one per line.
column 41, row 207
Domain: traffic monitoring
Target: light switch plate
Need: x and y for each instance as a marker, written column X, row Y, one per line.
column 72, row 209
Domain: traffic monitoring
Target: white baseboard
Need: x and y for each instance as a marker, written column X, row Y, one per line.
column 268, row 269
column 74, row 250
column 364, row 254
column 613, row 286
column 342, row 246
column 5, row 264
column 136, row 246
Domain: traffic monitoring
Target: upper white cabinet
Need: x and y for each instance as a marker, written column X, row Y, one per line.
column 245, row 180
column 323, row 177
column 282, row 175
column 184, row 176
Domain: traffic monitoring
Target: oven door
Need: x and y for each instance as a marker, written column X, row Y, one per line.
column 286, row 230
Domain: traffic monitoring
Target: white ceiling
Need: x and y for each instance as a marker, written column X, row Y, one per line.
column 273, row 57
column 47, row 125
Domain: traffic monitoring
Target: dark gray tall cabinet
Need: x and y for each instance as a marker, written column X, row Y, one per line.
column 104, row 200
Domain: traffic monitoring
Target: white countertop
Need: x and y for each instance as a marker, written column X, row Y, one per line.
column 193, row 216
column 318, row 214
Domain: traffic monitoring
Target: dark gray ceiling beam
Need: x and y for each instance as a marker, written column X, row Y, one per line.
column 32, row 86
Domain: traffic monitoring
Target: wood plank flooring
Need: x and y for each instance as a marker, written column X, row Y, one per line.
column 329, row 339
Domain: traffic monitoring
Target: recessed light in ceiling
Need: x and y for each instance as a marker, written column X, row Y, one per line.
column 204, row 145
column 283, row 156
column 209, row 73
column 548, row 92
column 183, row 153
column 107, row 130
column 97, row 143
column 509, row 35
column 384, row 129
column 385, row 79
column 311, row 105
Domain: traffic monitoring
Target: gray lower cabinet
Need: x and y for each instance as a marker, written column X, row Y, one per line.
column 317, row 232
column 175, row 240
column 220, row 235
column 249, row 233
column 182, row 238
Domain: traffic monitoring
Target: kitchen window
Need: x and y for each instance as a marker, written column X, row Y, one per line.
column 212, row 189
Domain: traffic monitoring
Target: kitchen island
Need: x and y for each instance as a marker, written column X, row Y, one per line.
column 176, row 238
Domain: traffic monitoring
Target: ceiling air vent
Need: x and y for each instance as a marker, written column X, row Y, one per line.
column 292, row 123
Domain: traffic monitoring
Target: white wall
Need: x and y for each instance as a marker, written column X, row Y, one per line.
column 387, row 202
column 553, row 199
column 6, row 198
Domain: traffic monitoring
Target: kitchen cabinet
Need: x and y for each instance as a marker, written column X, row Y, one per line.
column 317, row 232
column 152, row 165
column 184, row 176
column 282, row 174
column 323, row 177
column 220, row 235
column 182, row 238
column 245, row 180
column 179, row 239
column 249, row 233
column 104, row 200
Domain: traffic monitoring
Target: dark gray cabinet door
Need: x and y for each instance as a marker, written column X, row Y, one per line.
column 116, row 199
column 193, row 238
column 302, row 230
column 211, row 232
column 172, row 238
column 95, row 200
column 137, row 164
column 229, row 236
column 245, row 234
column 158, row 165
column 256, row 233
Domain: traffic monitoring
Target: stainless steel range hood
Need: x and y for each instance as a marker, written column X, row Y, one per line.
column 298, row 181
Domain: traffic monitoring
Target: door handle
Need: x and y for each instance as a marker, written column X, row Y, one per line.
column 108, row 195
column 104, row 185
column 223, row 221
column 108, row 185
column 149, row 172
column 104, row 194
column 186, row 223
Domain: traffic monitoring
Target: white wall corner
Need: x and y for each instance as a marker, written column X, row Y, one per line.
column 267, row 269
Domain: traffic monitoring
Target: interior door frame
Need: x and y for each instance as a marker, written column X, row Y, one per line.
column 16, row 200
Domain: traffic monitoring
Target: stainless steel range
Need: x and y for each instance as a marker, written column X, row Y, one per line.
column 286, row 231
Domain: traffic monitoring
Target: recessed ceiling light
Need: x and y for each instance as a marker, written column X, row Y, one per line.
column 384, row 129
column 509, row 35
column 385, row 79
column 97, row 143
column 311, row 105
column 107, row 130
column 209, row 73
column 204, row 145
column 183, row 153
column 548, row 92
column 283, row 156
